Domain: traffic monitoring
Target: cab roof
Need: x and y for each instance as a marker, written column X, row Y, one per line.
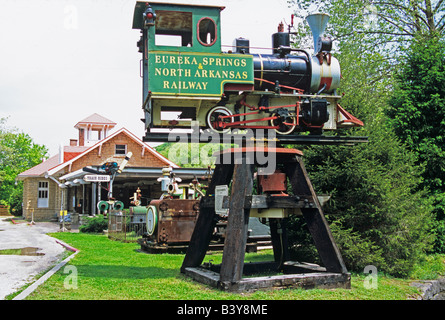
column 141, row 5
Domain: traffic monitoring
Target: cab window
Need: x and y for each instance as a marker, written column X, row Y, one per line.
column 206, row 32
column 173, row 28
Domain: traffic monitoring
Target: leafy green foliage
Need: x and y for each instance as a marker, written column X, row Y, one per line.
column 191, row 155
column 378, row 26
column 358, row 252
column 377, row 215
column 95, row 224
column 430, row 267
column 18, row 153
column 417, row 112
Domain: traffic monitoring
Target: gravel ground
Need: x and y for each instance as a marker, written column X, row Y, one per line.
column 18, row 270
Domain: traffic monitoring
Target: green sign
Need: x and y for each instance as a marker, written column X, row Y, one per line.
column 192, row 74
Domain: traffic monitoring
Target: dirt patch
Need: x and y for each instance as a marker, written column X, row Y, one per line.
column 26, row 251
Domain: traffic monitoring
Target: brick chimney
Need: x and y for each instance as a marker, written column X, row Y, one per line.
column 73, row 142
column 81, row 137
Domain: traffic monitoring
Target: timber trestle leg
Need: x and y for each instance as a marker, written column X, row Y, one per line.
column 276, row 207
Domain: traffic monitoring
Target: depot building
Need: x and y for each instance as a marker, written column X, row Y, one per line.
column 61, row 182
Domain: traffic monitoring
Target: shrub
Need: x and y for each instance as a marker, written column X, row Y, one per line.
column 95, row 224
column 377, row 213
column 357, row 251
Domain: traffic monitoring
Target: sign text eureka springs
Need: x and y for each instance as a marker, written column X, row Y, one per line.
column 175, row 73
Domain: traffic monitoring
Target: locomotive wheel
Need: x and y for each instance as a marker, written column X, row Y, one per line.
column 285, row 126
column 212, row 119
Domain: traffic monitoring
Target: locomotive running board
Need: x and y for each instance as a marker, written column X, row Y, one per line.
column 231, row 138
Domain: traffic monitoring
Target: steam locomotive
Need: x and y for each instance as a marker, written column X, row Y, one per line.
column 188, row 80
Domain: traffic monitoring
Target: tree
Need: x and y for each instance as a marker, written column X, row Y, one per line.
column 191, row 155
column 382, row 29
column 379, row 212
column 381, row 26
column 17, row 153
column 417, row 112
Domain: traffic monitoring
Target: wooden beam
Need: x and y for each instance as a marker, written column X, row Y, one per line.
column 237, row 223
column 265, row 202
column 322, row 280
column 316, row 222
column 202, row 233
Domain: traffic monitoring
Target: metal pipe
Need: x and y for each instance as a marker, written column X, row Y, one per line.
column 61, row 185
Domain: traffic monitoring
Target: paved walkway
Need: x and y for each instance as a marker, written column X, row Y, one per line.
column 18, row 270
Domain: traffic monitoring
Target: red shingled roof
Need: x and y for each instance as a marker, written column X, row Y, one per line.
column 41, row 168
column 96, row 119
column 69, row 152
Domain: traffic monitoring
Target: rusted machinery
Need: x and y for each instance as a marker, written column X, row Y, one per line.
column 170, row 224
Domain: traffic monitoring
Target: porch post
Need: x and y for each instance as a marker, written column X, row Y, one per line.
column 93, row 198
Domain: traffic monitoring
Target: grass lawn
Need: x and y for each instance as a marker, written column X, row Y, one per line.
column 111, row 270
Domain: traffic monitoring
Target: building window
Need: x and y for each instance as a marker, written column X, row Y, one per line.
column 120, row 150
column 42, row 198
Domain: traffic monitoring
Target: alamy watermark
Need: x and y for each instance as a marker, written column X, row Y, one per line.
column 257, row 146
column 70, row 282
column 370, row 16
column 370, row 281
column 71, row 17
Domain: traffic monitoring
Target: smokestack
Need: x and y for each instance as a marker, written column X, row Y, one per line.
column 317, row 22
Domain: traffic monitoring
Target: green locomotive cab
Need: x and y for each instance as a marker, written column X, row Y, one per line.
column 184, row 72
column 189, row 81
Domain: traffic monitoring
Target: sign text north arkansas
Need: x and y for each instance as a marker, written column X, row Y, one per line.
column 197, row 74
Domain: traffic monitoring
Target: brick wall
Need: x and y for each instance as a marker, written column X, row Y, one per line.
column 30, row 195
column 4, row 210
column 98, row 156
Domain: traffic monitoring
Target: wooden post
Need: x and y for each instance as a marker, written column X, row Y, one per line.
column 202, row 233
column 316, row 222
column 236, row 234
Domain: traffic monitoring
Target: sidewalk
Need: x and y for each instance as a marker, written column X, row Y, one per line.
column 21, row 267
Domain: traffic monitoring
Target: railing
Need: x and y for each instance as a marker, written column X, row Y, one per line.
column 126, row 227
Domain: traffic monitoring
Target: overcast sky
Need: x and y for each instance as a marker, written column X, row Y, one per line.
column 63, row 60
